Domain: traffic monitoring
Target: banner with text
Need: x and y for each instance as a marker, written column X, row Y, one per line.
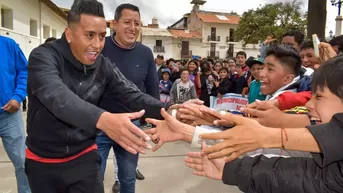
column 231, row 102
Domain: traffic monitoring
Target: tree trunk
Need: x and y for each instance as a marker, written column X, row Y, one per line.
column 316, row 18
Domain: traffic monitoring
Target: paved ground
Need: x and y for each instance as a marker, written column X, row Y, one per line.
column 164, row 172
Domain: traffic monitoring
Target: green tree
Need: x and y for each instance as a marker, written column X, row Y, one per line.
column 271, row 19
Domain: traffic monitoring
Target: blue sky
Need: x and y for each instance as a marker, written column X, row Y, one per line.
column 168, row 11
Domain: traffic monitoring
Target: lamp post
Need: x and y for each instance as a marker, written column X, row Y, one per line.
column 339, row 18
column 337, row 3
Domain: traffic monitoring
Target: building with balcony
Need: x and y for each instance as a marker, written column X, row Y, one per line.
column 29, row 23
column 157, row 39
column 214, row 33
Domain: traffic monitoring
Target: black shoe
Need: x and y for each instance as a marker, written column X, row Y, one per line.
column 139, row 176
column 116, row 187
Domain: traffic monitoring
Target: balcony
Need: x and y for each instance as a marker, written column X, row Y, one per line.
column 230, row 39
column 159, row 49
column 213, row 38
column 212, row 54
column 186, row 54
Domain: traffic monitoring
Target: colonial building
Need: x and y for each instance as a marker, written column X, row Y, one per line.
column 30, row 22
column 208, row 34
column 198, row 33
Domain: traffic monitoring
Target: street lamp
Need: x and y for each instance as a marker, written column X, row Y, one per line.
column 337, row 3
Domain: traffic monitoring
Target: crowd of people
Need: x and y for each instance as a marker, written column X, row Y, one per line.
column 86, row 93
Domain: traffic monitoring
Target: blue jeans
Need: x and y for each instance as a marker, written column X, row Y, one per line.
column 13, row 138
column 127, row 162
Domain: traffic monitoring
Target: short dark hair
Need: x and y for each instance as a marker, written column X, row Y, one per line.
column 242, row 53
column 307, row 44
column 288, row 57
column 298, row 36
column 89, row 7
column 220, row 62
column 231, row 58
column 337, row 41
column 210, row 60
column 50, row 40
column 160, row 57
column 328, row 75
column 120, row 8
column 184, row 69
column 224, row 69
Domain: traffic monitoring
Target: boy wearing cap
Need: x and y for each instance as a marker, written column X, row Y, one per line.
column 165, row 85
column 255, row 65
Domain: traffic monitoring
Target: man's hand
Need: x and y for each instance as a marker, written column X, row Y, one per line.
column 168, row 130
column 266, row 114
column 183, row 114
column 11, row 107
column 202, row 166
column 120, row 128
column 193, row 114
column 246, row 136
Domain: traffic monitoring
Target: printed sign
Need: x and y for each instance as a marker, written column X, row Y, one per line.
column 231, row 102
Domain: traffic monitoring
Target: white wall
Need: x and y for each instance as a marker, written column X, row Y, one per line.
column 150, row 41
column 23, row 12
column 194, row 46
column 223, row 30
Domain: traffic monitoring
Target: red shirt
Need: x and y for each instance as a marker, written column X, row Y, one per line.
column 288, row 100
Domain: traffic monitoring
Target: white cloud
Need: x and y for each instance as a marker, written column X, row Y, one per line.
column 168, row 12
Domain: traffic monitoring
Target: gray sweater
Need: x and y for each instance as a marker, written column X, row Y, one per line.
column 180, row 93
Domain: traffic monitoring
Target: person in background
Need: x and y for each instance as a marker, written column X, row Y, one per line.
column 231, row 63
column 13, row 80
column 136, row 62
column 241, row 58
column 192, row 67
column 183, row 89
column 308, row 57
column 165, row 86
column 217, row 66
column 337, row 44
column 223, row 85
column 206, row 83
column 226, row 63
column 239, row 82
column 293, row 38
column 256, row 66
column 179, row 64
column 174, row 69
column 271, row 40
column 159, row 66
column 211, row 62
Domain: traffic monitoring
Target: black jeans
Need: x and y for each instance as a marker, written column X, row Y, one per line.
column 82, row 175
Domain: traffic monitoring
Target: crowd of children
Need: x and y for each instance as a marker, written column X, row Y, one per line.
column 209, row 78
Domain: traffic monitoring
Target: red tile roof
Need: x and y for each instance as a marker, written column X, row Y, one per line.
column 177, row 33
column 212, row 18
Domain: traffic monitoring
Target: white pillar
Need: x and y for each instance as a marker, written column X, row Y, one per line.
column 339, row 20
